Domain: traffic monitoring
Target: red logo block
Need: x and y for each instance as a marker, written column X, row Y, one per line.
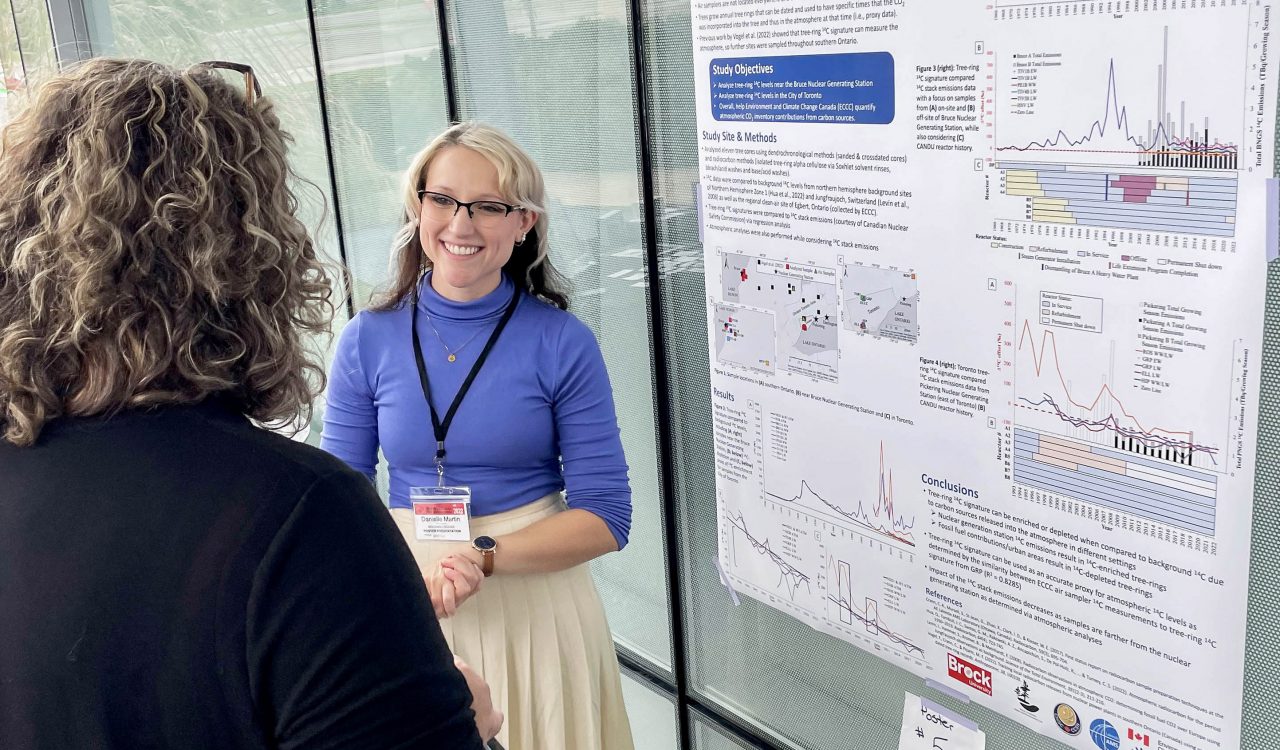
column 969, row 673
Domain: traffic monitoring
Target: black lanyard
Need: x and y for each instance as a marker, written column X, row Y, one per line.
column 442, row 428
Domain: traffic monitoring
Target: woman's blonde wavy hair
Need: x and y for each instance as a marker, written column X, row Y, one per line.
column 520, row 182
column 150, row 253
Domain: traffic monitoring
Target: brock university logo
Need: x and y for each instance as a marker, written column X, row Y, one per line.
column 969, row 673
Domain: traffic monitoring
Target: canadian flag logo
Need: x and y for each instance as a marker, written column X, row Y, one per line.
column 1145, row 739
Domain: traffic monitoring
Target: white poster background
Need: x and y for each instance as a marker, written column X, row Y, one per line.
column 984, row 376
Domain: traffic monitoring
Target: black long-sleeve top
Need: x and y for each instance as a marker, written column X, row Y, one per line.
column 178, row 578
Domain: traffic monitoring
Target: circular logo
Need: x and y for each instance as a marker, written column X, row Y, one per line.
column 1068, row 720
column 1104, row 735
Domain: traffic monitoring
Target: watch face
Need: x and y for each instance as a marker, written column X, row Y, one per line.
column 485, row 543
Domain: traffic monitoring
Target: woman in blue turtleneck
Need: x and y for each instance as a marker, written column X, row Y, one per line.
column 533, row 437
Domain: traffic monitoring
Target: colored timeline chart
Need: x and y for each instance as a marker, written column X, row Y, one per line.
column 1122, row 141
column 1149, row 488
column 1083, row 431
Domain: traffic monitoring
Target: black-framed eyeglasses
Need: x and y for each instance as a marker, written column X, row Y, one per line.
column 252, row 89
column 482, row 213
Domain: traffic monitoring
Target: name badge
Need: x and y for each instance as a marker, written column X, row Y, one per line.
column 441, row 514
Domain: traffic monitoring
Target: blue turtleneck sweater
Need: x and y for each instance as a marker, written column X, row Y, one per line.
column 539, row 417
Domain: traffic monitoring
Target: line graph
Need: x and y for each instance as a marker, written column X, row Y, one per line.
column 867, row 613
column 1104, row 414
column 1167, row 140
column 1127, row 430
column 880, row 516
column 837, row 549
column 790, row 578
column 1150, row 145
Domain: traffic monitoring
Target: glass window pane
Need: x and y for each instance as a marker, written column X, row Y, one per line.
column 652, row 714
column 26, row 53
column 35, row 36
column 734, row 655
column 11, row 73
column 385, row 94
column 274, row 37
column 707, row 735
column 558, row 76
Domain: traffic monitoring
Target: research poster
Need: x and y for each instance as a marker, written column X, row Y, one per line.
column 985, row 294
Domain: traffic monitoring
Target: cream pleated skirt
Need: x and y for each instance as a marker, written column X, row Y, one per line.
column 541, row 641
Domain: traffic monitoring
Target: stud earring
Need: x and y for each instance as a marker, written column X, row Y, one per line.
column 521, row 240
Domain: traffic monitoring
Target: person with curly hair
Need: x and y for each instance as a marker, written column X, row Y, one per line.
column 482, row 390
column 172, row 574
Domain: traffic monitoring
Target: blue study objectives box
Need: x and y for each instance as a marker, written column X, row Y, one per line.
column 846, row 88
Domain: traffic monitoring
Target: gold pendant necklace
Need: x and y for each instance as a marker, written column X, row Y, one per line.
column 452, row 353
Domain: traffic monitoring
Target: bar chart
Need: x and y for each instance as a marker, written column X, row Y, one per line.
column 1126, row 140
column 1169, row 134
column 1173, row 495
column 1062, row 390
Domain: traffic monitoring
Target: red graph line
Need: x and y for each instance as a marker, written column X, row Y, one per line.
column 884, row 500
column 898, row 528
column 872, row 621
column 1038, row 359
column 1161, row 139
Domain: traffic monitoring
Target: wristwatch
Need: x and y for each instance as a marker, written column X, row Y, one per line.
column 486, row 546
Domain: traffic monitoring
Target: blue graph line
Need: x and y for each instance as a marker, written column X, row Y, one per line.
column 1112, row 424
column 788, row 573
column 900, row 528
column 875, row 626
column 1099, row 128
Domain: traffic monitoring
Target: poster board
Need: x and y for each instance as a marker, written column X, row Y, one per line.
column 985, row 307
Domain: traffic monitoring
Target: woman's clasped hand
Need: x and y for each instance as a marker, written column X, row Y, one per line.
column 455, row 578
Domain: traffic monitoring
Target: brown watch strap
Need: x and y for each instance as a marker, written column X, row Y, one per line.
column 486, row 565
